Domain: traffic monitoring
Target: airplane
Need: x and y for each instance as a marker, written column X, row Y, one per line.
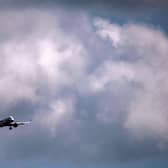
column 11, row 123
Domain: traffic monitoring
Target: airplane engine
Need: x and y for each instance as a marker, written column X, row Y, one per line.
column 15, row 125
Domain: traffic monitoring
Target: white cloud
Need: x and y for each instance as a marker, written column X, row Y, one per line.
column 107, row 30
column 52, row 58
column 147, row 113
column 109, row 73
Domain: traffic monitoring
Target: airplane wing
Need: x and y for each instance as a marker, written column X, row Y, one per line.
column 23, row 123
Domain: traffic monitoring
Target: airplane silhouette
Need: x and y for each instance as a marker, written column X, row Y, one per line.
column 11, row 123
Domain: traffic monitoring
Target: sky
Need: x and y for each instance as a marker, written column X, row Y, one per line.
column 92, row 78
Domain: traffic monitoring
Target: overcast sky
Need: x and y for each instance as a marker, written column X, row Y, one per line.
column 92, row 77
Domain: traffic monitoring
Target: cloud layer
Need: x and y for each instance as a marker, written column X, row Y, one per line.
column 97, row 90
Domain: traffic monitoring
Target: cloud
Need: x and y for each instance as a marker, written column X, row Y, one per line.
column 60, row 112
column 147, row 112
column 46, row 58
column 91, row 84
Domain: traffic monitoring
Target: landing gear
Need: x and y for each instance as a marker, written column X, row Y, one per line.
column 10, row 128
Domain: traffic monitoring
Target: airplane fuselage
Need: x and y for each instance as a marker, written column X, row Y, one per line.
column 7, row 121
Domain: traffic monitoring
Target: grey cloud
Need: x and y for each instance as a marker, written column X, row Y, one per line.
column 85, row 87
